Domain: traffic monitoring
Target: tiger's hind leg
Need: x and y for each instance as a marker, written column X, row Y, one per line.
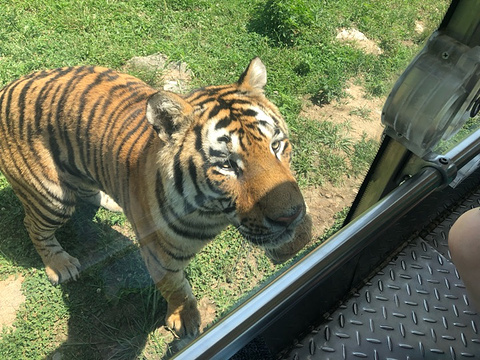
column 44, row 214
column 59, row 265
column 99, row 198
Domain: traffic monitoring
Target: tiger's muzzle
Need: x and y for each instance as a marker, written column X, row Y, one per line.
column 298, row 238
column 278, row 222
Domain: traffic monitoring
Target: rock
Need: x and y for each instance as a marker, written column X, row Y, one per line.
column 172, row 76
column 359, row 39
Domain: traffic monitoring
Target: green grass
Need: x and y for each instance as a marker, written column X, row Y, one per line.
column 113, row 310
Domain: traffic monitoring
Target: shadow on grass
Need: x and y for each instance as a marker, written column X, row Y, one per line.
column 113, row 307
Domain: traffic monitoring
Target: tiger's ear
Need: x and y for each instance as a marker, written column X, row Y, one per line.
column 168, row 113
column 255, row 76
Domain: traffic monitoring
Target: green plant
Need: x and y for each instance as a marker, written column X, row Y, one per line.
column 362, row 112
column 335, row 136
column 321, row 150
column 282, row 20
column 363, row 155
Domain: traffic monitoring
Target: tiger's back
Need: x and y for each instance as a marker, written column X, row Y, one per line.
column 181, row 168
column 68, row 126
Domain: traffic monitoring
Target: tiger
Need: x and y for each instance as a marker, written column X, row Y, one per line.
column 180, row 167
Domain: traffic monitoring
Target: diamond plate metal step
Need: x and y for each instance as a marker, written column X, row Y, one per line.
column 416, row 307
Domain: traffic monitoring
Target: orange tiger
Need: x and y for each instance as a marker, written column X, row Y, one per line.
column 181, row 168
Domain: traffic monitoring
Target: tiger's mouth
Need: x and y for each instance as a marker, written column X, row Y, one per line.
column 282, row 245
column 268, row 240
column 274, row 235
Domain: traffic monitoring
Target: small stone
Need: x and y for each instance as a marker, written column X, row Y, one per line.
column 174, row 76
column 57, row 356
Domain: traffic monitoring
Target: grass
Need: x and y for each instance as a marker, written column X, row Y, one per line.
column 113, row 311
column 362, row 112
column 316, row 164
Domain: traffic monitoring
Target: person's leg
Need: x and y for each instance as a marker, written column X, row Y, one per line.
column 464, row 244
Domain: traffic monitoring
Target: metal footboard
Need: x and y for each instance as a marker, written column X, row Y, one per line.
column 416, row 307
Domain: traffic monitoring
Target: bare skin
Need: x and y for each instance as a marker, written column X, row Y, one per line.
column 464, row 244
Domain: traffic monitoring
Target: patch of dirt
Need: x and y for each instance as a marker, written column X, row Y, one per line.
column 326, row 201
column 358, row 40
column 11, row 298
column 361, row 114
column 419, row 27
column 207, row 312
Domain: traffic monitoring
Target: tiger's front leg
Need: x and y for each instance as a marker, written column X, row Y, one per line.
column 182, row 313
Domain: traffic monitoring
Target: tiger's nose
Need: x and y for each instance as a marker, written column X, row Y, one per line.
column 288, row 219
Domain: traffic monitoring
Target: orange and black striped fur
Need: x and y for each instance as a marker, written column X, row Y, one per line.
column 181, row 168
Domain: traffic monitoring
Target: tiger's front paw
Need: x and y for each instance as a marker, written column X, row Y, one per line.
column 184, row 319
column 62, row 268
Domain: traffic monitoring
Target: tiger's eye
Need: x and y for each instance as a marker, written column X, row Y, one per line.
column 227, row 165
column 224, row 138
column 275, row 146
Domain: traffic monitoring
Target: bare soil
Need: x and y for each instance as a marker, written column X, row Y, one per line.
column 10, row 300
column 362, row 113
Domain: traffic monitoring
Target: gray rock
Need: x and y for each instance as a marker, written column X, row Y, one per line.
column 172, row 76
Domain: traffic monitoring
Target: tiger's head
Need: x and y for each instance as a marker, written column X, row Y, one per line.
column 231, row 159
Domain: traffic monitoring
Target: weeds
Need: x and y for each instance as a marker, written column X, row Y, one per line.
column 362, row 112
column 282, row 20
column 316, row 164
column 363, row 155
